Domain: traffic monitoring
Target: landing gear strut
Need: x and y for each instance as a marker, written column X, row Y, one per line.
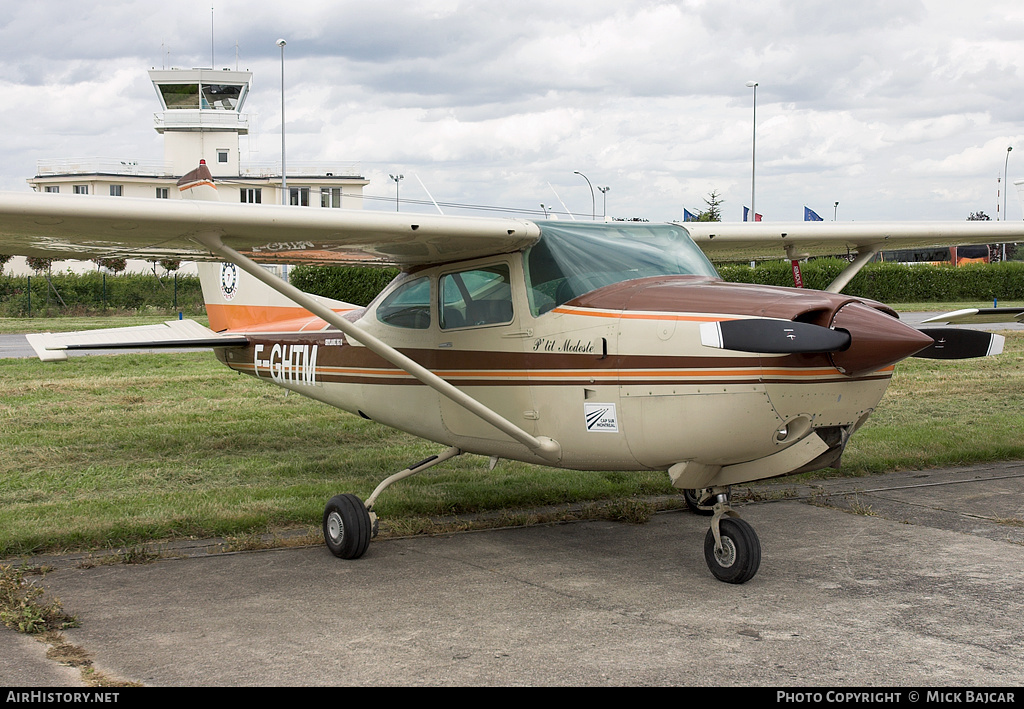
column 731, row 547
column 349, row 524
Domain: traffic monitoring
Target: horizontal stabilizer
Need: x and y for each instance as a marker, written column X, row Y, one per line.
column 954, row 343
column 772, row 336
column 53, row 347
column 979, row 316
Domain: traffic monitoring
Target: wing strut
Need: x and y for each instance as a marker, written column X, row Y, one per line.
column 545, row 447
column 844, row 278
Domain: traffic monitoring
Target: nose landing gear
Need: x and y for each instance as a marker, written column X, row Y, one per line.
column 731, row 547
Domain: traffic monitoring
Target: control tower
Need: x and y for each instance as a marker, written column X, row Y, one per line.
column 202, row 117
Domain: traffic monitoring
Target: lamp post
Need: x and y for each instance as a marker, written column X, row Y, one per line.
column 1005, row 186
column 604, row 201
column 835, row 213
column 593, row 202
column 753, row 152
column 397, row 179
column 284, row 180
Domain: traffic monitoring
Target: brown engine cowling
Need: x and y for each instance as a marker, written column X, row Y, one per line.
column 877, row 339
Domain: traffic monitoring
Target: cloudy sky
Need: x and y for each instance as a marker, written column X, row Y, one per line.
column 897, row 109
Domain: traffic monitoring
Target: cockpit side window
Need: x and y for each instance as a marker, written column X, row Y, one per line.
column 407, row 306
column 480, row 296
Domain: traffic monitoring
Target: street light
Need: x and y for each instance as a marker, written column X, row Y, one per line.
column 753, row 152
column 604, row 201
column 284, row 180
column 835, row 214
column 1005, row 164
column 593, row 202
column 397, row 179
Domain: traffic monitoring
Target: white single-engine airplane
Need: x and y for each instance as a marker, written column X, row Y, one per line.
column 593, row 346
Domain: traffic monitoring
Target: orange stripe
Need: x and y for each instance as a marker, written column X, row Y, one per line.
column 263, row 318
column 626, row 315
column 190, row 185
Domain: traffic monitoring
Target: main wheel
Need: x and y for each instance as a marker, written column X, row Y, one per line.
column 740, row 556
column 692, row 498
column 347, row 526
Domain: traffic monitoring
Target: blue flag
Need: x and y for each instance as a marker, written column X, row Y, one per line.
column 811, row 216
column 688, row 216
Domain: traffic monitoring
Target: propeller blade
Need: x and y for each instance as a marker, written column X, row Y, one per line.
column 772, row 336
column 954, row 343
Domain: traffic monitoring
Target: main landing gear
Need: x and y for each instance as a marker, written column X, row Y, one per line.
column 349, row 524
column 731, row 547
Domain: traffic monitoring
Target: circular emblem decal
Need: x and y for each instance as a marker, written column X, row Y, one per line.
column 228, row 280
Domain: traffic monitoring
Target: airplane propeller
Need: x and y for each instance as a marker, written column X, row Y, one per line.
column 954, row 343
column 772, row 336
column 852, row 355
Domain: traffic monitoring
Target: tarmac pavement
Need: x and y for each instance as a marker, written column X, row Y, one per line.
column 901, row 580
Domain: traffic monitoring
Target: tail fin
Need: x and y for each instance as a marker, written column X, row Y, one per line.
column 238, row 302
column 198, row 185
column 235, row 300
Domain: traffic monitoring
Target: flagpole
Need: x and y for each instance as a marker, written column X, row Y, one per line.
column 753, row 154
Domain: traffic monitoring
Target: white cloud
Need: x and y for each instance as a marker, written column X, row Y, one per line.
column 897, row 109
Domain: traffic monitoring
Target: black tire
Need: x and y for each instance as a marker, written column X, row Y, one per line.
column 346, row 525
column 741, row 551
column 692, row 498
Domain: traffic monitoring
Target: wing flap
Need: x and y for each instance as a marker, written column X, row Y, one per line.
column 53, row 347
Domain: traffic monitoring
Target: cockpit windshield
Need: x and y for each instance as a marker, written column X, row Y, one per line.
column 573, row 259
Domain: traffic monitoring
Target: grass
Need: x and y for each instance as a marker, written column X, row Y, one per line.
column 115, row 451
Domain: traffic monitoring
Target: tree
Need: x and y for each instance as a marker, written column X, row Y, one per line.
column 4, row 258
column 979, row 217
column 39, row 264
column 114, row 265
column 714, row 211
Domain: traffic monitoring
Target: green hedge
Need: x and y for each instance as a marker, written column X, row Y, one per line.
column 896, row 283
column 353, row 284
column 887, row 282
column 66, row 293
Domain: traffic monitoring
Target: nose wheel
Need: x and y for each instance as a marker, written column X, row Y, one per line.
column 736, row 555
column 731, row 547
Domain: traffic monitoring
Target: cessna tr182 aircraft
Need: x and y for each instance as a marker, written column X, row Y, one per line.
column 593, row 346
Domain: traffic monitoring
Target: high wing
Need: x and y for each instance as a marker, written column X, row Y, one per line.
column 74, row 227
column 70, row 226
column 980, row 316
column 758, row 240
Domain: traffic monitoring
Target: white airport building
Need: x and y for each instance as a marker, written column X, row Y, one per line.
column 201, row 118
